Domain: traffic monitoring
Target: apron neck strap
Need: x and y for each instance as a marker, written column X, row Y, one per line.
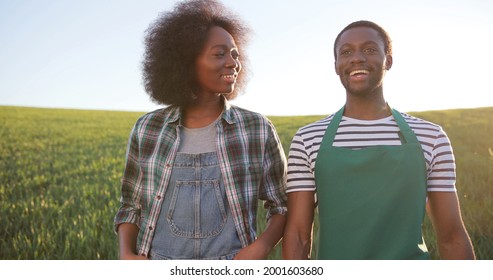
column 407, row 134
column 330, row 133
column 405, row 131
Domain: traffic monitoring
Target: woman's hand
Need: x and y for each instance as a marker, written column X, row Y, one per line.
column 127, row 235
column 133, row 257
column 260, row 249
column 254, row 251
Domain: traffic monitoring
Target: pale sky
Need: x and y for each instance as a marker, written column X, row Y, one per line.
column 87, row 54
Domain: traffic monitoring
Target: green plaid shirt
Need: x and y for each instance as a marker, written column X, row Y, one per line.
column 251, row 160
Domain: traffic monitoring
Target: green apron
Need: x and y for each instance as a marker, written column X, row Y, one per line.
column 371, row 201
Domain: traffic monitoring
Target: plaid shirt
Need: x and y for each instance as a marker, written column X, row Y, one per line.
column 251, row 160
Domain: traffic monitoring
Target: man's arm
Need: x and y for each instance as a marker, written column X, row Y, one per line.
column 297, row 238
column 453, row 240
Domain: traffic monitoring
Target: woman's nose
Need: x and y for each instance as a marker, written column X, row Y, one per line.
column 232, row 62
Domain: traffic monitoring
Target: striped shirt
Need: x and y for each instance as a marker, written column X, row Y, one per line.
column 358, row 134
column 251, row 160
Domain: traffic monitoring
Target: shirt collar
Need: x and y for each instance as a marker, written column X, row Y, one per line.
column 228, row 114
column 174, row 114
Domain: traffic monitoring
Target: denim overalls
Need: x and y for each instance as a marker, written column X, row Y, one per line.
column 195, row 221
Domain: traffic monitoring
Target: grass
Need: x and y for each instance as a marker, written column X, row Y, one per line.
column 60, row 172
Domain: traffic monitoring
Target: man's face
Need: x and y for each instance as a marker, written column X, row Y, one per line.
column 361, row 61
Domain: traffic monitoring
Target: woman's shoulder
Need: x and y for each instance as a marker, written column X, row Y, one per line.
column 158, row 117
column 247, row 115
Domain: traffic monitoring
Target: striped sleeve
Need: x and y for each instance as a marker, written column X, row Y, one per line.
column 442, row 170
column 300, row 174
column 302, row 155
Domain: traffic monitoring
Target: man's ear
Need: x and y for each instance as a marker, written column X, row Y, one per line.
column 388, row 62
column 335, row 67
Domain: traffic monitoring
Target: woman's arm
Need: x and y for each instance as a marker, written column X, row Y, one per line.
column 127, row 239
column 128, row 216
column 261, row 248
column 273, row 192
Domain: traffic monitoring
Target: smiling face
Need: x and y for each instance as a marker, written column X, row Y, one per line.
column 217, row 66
column 361, row 61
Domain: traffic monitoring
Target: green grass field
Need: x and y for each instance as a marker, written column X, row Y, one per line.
column 60, row 173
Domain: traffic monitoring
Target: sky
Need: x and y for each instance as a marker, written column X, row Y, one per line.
column 88, row 54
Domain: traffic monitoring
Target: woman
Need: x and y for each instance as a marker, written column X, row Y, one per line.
column 196, row 169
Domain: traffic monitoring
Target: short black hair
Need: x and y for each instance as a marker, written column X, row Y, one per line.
column 174, row 41
column 387, row 42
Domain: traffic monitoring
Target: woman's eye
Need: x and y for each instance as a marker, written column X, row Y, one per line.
column 221, row 54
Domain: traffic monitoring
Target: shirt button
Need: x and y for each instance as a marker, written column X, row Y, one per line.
column 158, row 197
column 150, row 228
column 168, row 165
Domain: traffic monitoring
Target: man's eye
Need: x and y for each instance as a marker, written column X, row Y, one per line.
column 345, row 52
column 370, row 50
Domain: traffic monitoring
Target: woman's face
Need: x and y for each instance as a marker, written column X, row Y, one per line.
column 218, row 65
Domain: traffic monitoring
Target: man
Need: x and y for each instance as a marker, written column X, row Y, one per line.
column 374, row 170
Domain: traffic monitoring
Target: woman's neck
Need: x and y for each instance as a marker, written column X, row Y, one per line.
column 202, row 112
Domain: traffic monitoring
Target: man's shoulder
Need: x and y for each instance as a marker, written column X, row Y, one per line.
column 415, row 122
column 316, row 126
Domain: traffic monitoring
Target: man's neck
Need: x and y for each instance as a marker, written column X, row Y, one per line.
column 367, row 108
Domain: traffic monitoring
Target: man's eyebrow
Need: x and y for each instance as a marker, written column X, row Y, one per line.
column 352, row 44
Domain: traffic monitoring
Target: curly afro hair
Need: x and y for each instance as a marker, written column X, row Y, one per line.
column 387, row 42
column 173, row 43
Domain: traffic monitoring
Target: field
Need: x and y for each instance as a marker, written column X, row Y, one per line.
column 60, row 172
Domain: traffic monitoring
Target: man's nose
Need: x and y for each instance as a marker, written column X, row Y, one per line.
column 358, row 56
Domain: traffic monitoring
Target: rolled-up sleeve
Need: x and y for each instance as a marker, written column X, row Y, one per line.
column 129, row 211
column 273, row 190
